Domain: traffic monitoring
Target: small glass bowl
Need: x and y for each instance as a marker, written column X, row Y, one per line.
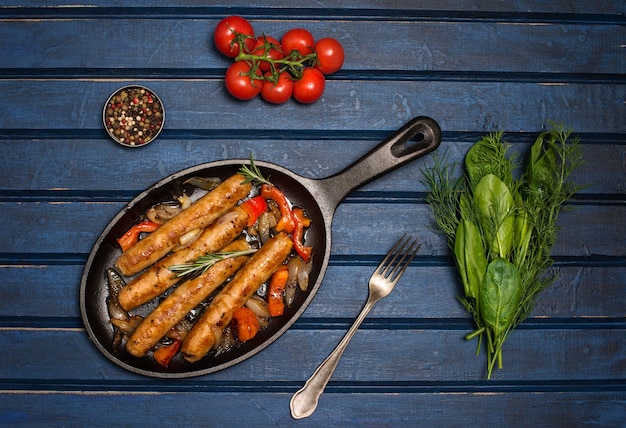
column 133, row 116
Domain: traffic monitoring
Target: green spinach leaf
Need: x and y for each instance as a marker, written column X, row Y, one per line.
column 496, row 206
column 469, row 253
column 500, row 293
column 543, row 160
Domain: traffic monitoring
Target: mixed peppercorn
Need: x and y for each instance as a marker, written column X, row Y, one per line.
column 133, row 116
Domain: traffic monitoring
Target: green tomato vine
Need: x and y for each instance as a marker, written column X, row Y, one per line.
column 292, row 62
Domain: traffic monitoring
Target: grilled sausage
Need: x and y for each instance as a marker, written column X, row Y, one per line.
column 158, row 278
column 202, row 213
column 207, row 331
column 183, row 299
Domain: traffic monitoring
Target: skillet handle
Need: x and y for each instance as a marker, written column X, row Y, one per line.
column 418, row 137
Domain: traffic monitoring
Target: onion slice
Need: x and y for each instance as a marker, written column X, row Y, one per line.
column 258, row 306
column 204, row 183
column 188, row 238
column 162, row 212
column 292, row 281
column 303, row 274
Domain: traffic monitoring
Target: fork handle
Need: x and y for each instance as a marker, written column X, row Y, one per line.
column 304, row 401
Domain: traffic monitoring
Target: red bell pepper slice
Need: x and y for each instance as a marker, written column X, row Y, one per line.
column 301, row 222
column 246, row 323
column 132, row 235
column 254, row 207
column 276, row 291
column 286, row 223
column 165, row 354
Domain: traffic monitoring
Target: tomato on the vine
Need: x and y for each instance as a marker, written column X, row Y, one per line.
column 330, row 55
column 294, row 67
column 310, row 87
column 239, row 82
column 297, row 39
column 277, row 92
column 269, row 44
column 224, row 35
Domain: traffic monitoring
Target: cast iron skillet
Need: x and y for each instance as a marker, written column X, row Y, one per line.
column 319, row 197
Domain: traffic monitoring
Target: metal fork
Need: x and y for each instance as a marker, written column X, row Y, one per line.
column 383, row 280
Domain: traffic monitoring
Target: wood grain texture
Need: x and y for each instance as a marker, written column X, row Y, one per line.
column 473, row 66
column 400, row 355
column 371, row 410
column 82, row 165
column 364, row 105
column 425, row 46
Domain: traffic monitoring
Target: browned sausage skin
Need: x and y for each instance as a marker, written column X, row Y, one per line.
column 207, row 331
column 158, row 277
column 199, row 215
column 183, row 299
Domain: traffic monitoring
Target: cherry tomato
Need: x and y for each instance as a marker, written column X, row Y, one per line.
column 238, row 81
column 298, row 39
column 329, row 55
column 279, row 92
column 311, row 87
column 225, row 34
column 273, row 50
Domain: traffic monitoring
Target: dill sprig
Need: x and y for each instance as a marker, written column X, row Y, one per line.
column 253, row 174
column 444, row 194
column 203, row 263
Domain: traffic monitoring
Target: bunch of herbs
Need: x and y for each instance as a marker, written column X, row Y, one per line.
column 501, row 227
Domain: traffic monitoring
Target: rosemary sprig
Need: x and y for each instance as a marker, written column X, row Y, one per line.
column 253, row 174
column 203, row 263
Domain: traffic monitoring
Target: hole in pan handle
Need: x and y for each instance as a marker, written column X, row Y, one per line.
column 416, row 138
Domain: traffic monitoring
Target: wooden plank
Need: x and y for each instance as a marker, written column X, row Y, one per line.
column 425, row 292
column 274, row 7
column 375, row 355
column 94, row 167
column 416, row 46
column 365, row 105
column 45, row 227
column 216, row 408
column 572, row 240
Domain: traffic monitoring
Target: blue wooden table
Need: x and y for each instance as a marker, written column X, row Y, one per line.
column 475, row 67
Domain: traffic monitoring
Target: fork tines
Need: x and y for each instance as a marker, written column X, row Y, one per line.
column 405, row 249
